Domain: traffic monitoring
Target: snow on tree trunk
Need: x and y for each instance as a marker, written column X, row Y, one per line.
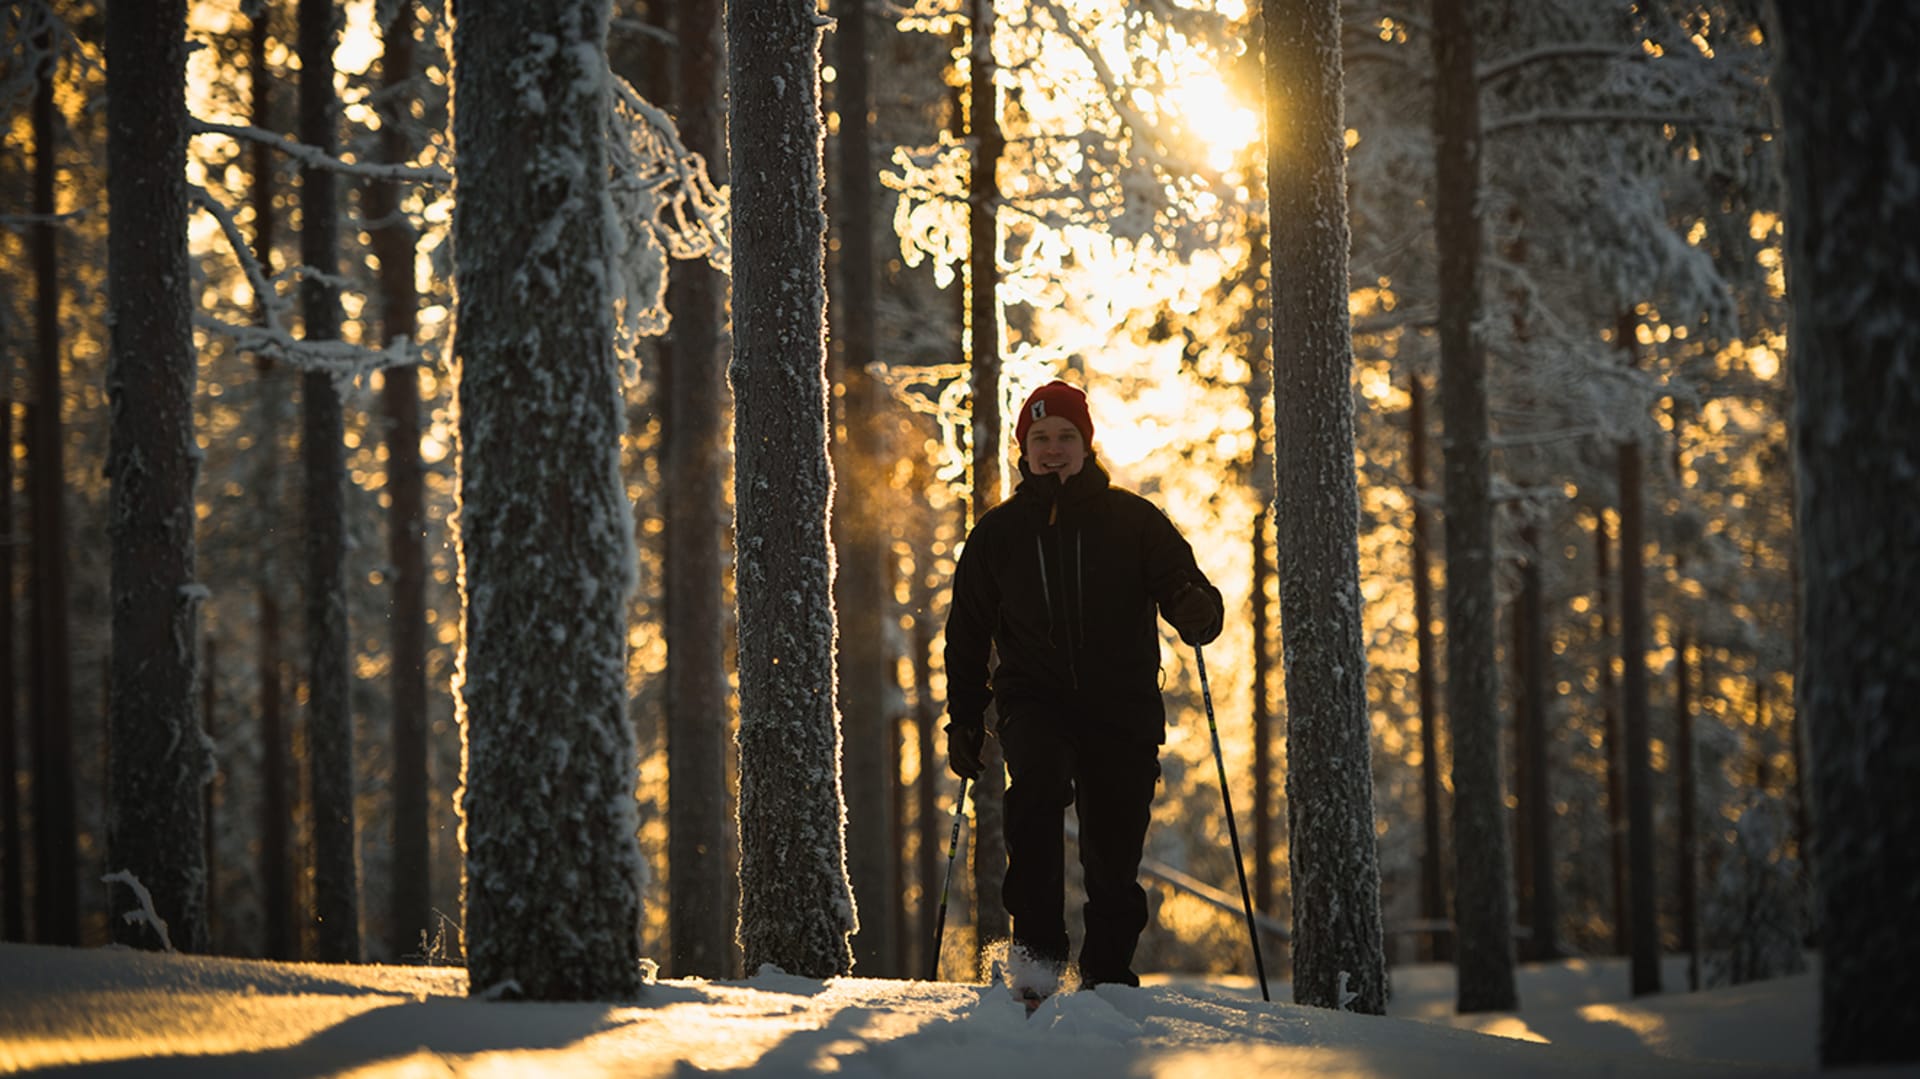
column 1338, row 961
column 1483, row 892
column 336, row 884
column 700, row 865
column 161, row 760
column 1851, row 134
column 796, row 910
column 548, row 816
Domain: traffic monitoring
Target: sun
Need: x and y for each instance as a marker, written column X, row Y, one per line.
column 1214, row 115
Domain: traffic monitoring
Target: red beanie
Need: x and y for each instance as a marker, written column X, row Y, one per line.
column 1054, row 399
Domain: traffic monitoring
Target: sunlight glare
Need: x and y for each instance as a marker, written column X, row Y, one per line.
column 1216, row 117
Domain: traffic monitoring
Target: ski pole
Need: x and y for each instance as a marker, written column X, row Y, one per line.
column 1226, row 800
column 953, row 852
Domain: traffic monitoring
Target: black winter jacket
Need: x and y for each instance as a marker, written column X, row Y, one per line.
column 1065, row 579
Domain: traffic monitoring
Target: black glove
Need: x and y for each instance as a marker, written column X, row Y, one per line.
column 964, row 743
column 1196, row 614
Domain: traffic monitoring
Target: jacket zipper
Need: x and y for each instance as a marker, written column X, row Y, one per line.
column 1046, row 594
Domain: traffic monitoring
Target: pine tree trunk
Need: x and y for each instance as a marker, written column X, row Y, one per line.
column 13, row 891
column 410, row 911
column 1262, row 810
column 1610, row 734
column 861, row 586
column 56, row 897
column 1846, row 102
column 1483, row 889
column 699, row 803
column 989, row 792
column 1687, row 871
column 1545, row 905
column 546, row 531
column 161, row 758
column 1644, row 934
column 1433, row 888
column 796, row 910
column 212, row 793
column 336, row 883
column 1521, row 760
column 276, row 784
column 1259, row 336
column 930, row 833
column 1338, row 958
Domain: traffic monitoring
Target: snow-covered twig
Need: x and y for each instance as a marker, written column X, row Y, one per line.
column 23, row 222
column 341, row 359
column 1575, row 50
column 313, row 157
column 146, row 913
column 1545, row 117
column 271, row 337
column 269, row 298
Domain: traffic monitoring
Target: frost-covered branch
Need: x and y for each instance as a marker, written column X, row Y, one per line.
column 320, row 159
column 1548, row 117
column 666, row 207
column 341, row 359
column 640, row 28
column 146, row 913
column 23, row 222
column 270, row 337
column 36, row 36
column 270, row 300
column 1575, row 50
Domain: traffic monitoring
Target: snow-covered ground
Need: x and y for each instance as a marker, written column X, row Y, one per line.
column 118, row 1012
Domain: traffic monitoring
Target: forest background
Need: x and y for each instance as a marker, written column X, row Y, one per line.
column 1634, row 316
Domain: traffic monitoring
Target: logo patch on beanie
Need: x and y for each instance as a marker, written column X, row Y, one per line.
column 1039, row 410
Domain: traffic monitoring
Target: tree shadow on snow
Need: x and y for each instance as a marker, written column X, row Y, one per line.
column 450, row 1027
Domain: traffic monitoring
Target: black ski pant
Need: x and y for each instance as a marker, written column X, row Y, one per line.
column 1109, row 780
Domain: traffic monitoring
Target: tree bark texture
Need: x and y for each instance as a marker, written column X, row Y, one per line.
column 161, row 759
column 1338, row 956
column 1483, row 888
column 796, row 909
column 700, row 818
column 1846, row 99
column 336, row 873
column 548, row 814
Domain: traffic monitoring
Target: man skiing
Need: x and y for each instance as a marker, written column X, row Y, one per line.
column 1064, row 579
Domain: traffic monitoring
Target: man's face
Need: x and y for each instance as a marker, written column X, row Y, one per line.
column 1054, row 445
